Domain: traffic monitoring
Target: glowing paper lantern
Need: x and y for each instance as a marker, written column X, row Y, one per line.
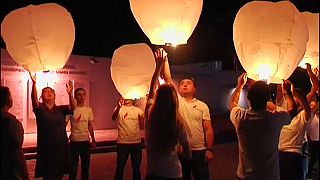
column 132, row 67
column 167, row 21
column 270, row 39
column 312, row 54
column 39, row 38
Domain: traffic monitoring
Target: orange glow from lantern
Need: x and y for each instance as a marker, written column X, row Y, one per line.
column 46, row 79
column 264, row 72
column 167, row 21
column 134, row 94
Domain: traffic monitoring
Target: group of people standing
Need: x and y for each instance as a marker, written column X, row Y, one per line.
column 178, row 132
column 56, row 155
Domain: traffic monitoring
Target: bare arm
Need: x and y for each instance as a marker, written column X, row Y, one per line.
column 287, row 89
column 303, row 103
column 314, row 82
column 117, row 109
column 34, row 95
column 271, row 106
column 234, row 99
column 160, row 58
column 72, row 102
column 90, row 128
column 209, row 139
column 166, row 72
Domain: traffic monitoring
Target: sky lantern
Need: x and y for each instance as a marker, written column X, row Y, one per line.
column 270, row 39
column 39, row 37
column 167, row 22
column 312, row 54
column 132, row 67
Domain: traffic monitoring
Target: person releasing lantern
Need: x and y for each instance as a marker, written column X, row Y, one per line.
column 132, row 66
column 167, row 22
column 271, row 43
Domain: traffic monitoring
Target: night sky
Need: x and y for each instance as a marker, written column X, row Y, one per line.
column 104, row 25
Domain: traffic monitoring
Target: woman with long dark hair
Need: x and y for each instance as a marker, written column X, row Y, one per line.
column 165, row 132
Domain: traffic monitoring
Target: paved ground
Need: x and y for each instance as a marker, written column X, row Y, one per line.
column 103, row 164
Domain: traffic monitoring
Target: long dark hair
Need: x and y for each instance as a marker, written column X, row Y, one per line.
column 164, row 120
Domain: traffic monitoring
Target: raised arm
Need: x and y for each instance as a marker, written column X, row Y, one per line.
column 117, row 109
column 72, row 102
column 209, row 140
column 287, row 88
column 314, row 82
column 166, row 71
column 34, row 95
column 234, row 99
column 302, row 100
column 90, row 128
column 160, row 57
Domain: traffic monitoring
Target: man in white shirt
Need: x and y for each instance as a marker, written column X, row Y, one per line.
column 81, row 127
column 198, row 122
column 258, row 130
column 129, row 140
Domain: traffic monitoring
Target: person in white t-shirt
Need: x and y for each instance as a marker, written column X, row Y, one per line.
column 313, row 125
column 129, row 141
column 258, row 130
column 197, row 118
column 292, row 137
column 81, row 127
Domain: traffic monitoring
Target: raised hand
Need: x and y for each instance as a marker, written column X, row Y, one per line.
column 308, row 67
column 161, row 56
column 33, row 78
column 121, row 101
column 287, row 86
column 69, row 87
column 242, row 79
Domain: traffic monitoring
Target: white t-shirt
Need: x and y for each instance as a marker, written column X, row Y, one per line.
column 292, row 135
column 79, row 124
column 194, row 112
column 313, row 128
column 258, row 137
column 128, row 124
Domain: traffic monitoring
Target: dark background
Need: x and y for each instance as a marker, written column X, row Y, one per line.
column 104, row 25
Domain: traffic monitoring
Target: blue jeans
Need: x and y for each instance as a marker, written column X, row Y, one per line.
column 123, row 151
column 197, row 166
column 82, row 149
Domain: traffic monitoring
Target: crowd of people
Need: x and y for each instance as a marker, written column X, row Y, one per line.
column 179, row 136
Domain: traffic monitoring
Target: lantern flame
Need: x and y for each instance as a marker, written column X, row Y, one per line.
column 133, row 94
column 46, row 79
column 264, row 72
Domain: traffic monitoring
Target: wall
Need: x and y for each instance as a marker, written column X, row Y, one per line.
column 213, row 87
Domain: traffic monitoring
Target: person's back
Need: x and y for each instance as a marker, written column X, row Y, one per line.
column 258, row 131
column 258, row 136
column 13, row 163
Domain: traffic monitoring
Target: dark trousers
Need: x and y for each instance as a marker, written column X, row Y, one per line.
column 197, row 166
column 313, row 158
column 123, row 151
column 82, row 149
column 290, row 166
